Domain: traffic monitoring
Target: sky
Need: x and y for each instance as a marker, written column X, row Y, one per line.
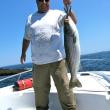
column 93, row 24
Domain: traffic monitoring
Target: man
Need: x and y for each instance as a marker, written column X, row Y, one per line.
column 43, row 29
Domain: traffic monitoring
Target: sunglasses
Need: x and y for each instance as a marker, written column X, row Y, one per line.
column 43, row 0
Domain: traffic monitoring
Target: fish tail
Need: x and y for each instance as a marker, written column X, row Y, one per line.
column 74, row 81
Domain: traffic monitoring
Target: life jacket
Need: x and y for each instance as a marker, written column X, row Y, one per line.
column 22, row 84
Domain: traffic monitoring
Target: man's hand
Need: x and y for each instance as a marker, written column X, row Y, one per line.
column 23, row 58
column 66, row 2
column 71, row 14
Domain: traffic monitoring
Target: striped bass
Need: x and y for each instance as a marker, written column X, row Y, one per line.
column 72, row 49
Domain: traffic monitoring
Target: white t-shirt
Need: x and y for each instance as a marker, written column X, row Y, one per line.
column 44, row 30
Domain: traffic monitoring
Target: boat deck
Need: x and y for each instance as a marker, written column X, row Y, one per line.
column 94, row 91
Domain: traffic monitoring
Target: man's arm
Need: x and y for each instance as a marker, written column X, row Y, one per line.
column 73, row 17
column 25, row 46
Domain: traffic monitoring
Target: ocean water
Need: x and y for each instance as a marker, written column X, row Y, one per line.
column 13, row 80
column 95, row 65
column 91, row 62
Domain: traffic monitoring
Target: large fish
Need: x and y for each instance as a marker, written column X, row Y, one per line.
column 72, row 49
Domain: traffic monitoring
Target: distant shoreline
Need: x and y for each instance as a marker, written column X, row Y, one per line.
column 4, row 72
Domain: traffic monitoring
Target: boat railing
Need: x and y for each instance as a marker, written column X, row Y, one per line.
column 18, row 74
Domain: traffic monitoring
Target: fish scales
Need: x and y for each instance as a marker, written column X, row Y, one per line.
column 72, row 49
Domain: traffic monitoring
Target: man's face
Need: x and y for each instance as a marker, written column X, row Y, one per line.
column 43, row 5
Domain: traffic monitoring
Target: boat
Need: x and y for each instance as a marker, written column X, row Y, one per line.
column 93, row 95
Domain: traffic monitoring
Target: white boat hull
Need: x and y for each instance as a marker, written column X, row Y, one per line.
column 92, row 96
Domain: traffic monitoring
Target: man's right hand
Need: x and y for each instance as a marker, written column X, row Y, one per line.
column 23, row 58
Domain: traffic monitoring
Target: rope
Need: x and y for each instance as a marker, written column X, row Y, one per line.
column 16, row 75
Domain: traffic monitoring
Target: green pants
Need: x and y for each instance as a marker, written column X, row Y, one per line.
column 41, row 84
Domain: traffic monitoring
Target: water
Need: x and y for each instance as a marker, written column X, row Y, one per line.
column 95, row 65
column 86, row 65
column 11, row 81
column 1, row 77
column 91, row 62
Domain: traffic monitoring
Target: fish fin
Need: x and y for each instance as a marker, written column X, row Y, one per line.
column 74, row 38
